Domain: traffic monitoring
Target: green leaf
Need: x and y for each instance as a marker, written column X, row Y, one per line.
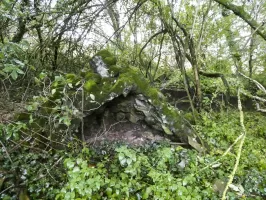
column 79, row 161
column 109, row 192
column 70, row 85
column 2, row 55
column 37, row 81
column 147, row 193
column 53, row 91
column 14, row 75
column 70, row 195
column 76, row 169
column 19, row 62
column 42, row 75
column 69, row 163
column 19, row 71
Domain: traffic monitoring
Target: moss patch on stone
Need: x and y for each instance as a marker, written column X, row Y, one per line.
column 90, row 86
column 110, row 61
column 115, row 70
column 107, row 57
column 104, row 53
column 90, row 76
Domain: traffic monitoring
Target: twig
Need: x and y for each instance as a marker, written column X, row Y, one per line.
column 231, row 176
column 7, row 93
column 2, row 192
column 224, row 154
column 106, row 131
column 82, row 120
column 49, row 173
column 22, row 99
column 260, row 86
column 260, row 109
column 6, row 152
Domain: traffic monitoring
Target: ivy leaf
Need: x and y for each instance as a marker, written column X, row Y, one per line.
column 123, row 161
column 70, row 195
column 70, row 85
column 53, row 91
column 147, row 193
column 14, row 75
column 79, row 160
column 92, row 97
column 42, row 75
column 66, row 120
column 37, row 81
column 19, row 62
column 69, row 163
column 19, row 71
column 76, row 169
column 121, row 156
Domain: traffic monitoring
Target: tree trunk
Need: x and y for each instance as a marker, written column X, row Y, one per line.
column 21, row 30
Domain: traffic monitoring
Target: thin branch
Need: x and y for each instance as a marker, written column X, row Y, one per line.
column 240, row 12
column 260, row 86
column 239, row 152
column 6, row 152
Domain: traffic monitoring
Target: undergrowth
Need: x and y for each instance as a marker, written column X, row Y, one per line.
column 155, row 171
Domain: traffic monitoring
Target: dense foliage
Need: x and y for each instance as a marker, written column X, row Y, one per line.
column 156, row 171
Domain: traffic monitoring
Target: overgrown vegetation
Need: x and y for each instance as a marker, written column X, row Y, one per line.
column 197, row 66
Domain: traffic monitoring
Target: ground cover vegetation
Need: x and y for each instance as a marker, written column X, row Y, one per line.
column 132, row 99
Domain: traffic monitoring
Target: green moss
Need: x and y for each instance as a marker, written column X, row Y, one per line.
column 71, row 76
column 153, row 93
column 110, row 60
column 172, row 116
column 90, row 86
column 106, row 85
column 144, row 87
column 140, row 81
column 115, row 70
column 104, row 53
column 189, row 116
column 156, row 102
column 93, row 76
column 131, row 77
column 84, row 72
column 119, row 86
column 89, row 75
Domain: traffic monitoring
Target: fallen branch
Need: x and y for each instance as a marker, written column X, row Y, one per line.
column 260, row 86
column 239, row 152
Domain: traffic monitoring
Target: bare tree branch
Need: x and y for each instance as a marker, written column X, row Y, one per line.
column 240, row 12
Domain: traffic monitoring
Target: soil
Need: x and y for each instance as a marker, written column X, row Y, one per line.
column 135, row 134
